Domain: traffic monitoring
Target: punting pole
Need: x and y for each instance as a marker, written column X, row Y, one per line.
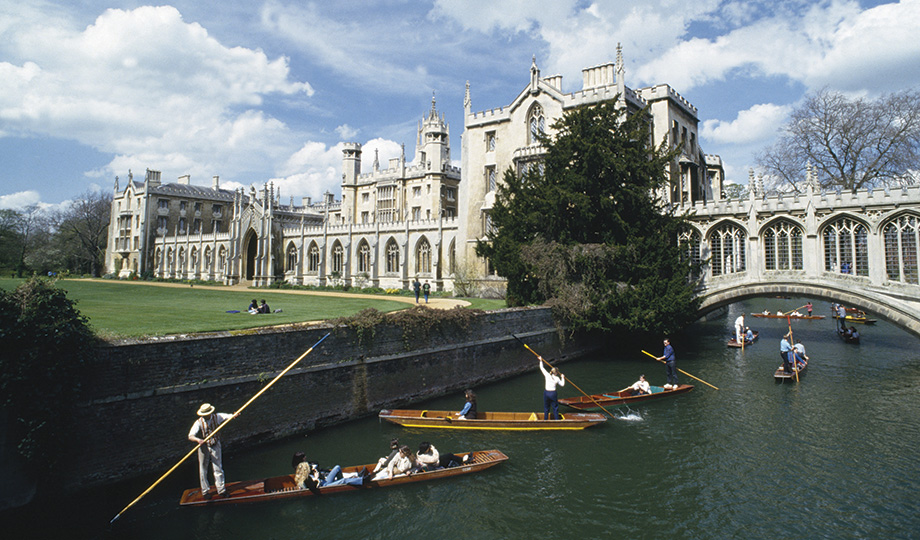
column 682, row 371
column 213, row 433
column 570, row 380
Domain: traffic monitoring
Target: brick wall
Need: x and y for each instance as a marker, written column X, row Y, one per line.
column 143, row 395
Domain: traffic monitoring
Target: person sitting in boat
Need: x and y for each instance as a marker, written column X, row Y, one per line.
column 385, row 460
column 799, row 352
column 469, row 408
column 853, row 333
column 404, row 463
column 641, row 386
column 748, row 335
column 308, row 476
column 766, row 312
column 796, row 314
column 780, row 313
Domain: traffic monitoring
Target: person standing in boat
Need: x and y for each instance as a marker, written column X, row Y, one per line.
column 209, row 449
column 808, row 307
column 469, row 408
column 641, row 386
column 552, row 379
column 739, row 328
column 842, row 318
column 785, row 348
column 670, row 364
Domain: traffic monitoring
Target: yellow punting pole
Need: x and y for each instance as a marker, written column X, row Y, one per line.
column 682, row 371
column 570, row 380
column 221, row 426
column 795, row 363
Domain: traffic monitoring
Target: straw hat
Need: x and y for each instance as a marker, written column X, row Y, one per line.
column 206, row 409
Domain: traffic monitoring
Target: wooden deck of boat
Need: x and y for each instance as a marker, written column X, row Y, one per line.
column 620, row 397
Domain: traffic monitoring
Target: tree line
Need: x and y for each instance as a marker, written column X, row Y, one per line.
column 35, row 240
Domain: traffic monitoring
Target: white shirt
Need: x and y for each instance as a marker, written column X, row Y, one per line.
column 641, row 386
column 551, row 380
column 739, row 322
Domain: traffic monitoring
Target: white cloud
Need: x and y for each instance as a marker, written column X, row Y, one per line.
column 756, row 124
column 17, row 201
column 346, row 132
column 149, row 87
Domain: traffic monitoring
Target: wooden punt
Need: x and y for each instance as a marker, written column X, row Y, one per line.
column 861, row 319
column 781, row 376
column 775, row 316
column 621, row 397
column 283, row 487
column 747, row 343
column 848, row 338
column 489, row 420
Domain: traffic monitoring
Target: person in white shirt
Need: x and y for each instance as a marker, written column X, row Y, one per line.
column 640, row 387
column 739, row 328
column 553, row 378
column 209, row 452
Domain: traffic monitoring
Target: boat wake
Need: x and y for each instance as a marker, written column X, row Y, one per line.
column 629, row 416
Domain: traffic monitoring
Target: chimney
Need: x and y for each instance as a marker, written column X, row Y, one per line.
column 185, row 179
column 306, row 202
column 216, row 184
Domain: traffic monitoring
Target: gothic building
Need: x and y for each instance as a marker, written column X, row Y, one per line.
column 407, row 220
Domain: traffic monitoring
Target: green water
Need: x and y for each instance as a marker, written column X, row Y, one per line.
column 834, row 456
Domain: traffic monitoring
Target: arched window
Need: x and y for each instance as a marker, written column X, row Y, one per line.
column 782, row 246
column 291, row 262
column 691, row 247
column 364, row 257
column 452, row 257
column 537, row 124
column 392, row 257
column 423, row 257
column 728, row 253
column 845, row 249
column 313, row 263
column 338, row 258
column 902, row 237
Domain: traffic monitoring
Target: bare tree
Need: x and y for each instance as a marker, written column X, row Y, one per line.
column 850, row 143
column 84, row 226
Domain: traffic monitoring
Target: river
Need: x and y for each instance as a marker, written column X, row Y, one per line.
column 833, row 456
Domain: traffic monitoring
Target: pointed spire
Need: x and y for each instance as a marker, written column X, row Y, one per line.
column 621, row 67
column 534, row 75
column 376, row 159
column 467, row 102
column 116, row 183
column 402, row 156
column 434, row 113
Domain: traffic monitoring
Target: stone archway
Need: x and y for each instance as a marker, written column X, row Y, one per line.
column 251, row 251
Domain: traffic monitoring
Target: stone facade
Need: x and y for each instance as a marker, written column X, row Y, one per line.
column 409, row 219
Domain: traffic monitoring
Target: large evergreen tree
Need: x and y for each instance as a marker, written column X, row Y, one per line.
column 586, row 232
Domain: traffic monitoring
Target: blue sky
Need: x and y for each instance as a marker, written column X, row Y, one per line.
column 268, row 91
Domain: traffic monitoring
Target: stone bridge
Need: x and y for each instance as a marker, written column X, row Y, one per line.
column 857, row 248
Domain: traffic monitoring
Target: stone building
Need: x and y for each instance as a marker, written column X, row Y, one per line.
column 396, row 223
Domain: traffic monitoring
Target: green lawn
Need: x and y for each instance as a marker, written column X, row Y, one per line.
column 119, row 309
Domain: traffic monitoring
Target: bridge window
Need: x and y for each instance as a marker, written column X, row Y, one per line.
column 782, row 245
column 902, row 236
column 845, row 249
column 423, row 257
column 728, row 253
column 691, row 249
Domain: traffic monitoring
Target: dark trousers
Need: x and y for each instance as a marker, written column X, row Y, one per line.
column 787, row 361
column 671, row 370
column 550, row 398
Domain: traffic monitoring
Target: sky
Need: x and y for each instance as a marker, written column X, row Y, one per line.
column 268, row 91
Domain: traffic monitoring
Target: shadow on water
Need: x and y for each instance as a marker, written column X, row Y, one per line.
column 832, row 456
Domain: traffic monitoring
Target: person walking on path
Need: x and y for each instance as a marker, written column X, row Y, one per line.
column 417, row 287
column 426, row 288
column 553, row 378
column 670, row 364
column 209, row 452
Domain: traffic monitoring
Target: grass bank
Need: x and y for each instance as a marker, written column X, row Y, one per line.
column 121, row 309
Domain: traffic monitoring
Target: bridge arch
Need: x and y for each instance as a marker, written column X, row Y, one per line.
column 876, row 302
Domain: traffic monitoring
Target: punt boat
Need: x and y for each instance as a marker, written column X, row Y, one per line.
column 781, row 376
column 621, row 397
column 747, row 343
column 283, row 487
column 522, row 421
